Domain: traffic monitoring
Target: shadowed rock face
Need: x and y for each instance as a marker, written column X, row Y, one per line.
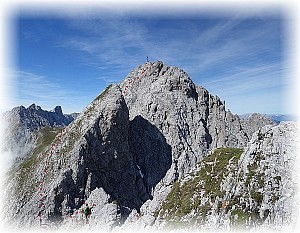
column 102, row 149
column 150, row 151
column 191, row 119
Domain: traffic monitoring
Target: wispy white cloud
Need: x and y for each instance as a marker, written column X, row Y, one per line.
column 260, row 88
column 240, row 73
column 34, row 88
column 111, row 42
column 224, row 44
column 231, row 56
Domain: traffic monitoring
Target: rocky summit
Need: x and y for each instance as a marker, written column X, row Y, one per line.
column 129, row 154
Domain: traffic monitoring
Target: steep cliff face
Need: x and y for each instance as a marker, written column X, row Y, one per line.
column 94, row 153
column 124, row 152
column 192, row 120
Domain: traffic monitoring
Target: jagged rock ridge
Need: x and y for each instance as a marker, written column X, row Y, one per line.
column 34, row 117
column 276, row 118
column 127, row 147
column 22, row 124
column 255, row 121
column 96, row 154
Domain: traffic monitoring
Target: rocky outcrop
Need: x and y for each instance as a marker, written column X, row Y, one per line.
column 255, row 121
column 254, row 190
column 266, row 179
column 192, row 120
column 275, row 118
column 128, row 147
column 97, row 152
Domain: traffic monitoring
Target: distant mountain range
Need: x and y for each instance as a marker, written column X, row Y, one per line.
column 23, row 125
column 34, row 117
column 277, row 118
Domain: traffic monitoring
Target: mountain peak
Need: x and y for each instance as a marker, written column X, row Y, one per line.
column 150, row 79
column 34, row 107
column 34, row 117
column 127, row 148
column 58, row 110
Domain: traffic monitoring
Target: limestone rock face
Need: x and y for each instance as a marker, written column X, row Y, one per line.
column 256, row 189
column 255, row 121
column 267, row 168
column 192, row 120
column 123, row 152
column 96, row 153
column 35, row 117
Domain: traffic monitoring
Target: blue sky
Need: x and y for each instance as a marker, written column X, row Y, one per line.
column 69, row 60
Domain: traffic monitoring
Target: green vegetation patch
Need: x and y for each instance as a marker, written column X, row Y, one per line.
column 27, row 170
column 185, row 198
column 216, row 168
column 45, row 138
column 245, row 214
